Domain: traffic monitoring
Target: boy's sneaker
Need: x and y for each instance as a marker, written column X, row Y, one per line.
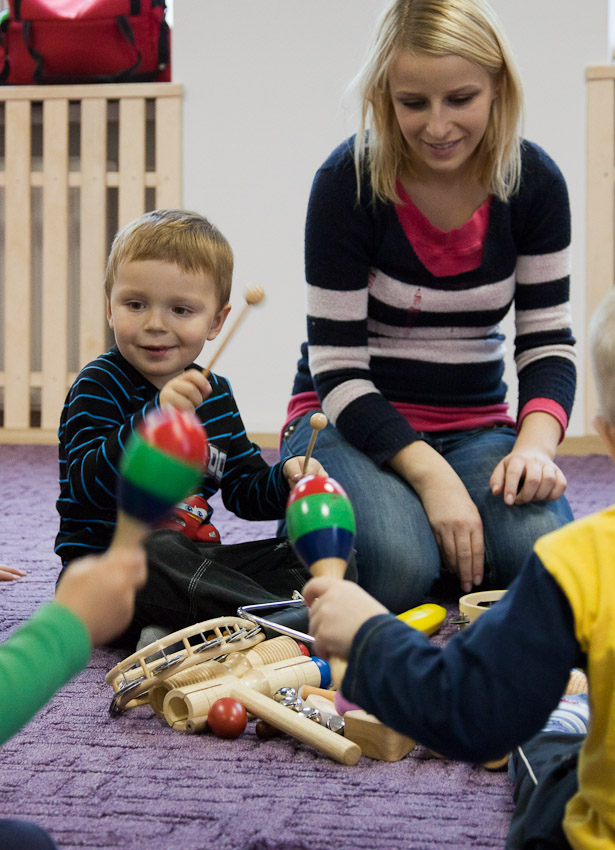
column 577, row 683
column 571, row 715
column 150, row 634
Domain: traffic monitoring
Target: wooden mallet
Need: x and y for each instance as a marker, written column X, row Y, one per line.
column 253, row 295
column 335, row 746
column 162, row 464
column 318, row 421
column 321, row 527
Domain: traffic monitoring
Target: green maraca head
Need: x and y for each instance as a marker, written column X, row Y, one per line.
column 320, row 520
column 163, row 463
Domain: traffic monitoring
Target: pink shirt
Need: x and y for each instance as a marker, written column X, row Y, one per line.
column 444, row 252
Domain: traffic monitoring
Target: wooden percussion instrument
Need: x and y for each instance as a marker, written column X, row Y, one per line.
column 133, row 677
column 253, row 295
column 321, row 527
column 163, row 463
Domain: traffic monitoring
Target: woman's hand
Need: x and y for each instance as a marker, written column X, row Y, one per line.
column 338, row 609
column 529, row 473
column 453, row 516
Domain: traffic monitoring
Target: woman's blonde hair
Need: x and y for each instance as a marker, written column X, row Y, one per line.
column 184, row 238
column 466, row 28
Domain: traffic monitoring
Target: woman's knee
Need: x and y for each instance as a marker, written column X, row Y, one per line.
column 397, row 572
column 509, row 540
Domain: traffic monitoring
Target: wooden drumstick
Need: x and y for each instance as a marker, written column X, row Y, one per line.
column 321, row 527
column 162, row 464
column 187, row 706
column 318, row 421
column 324, row 740
column 253, row 295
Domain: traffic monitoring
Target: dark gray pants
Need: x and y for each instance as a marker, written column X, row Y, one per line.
column 539, row 808
column 190, row 582
column 19, row 835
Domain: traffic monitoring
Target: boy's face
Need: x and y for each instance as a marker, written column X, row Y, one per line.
column 161, row 317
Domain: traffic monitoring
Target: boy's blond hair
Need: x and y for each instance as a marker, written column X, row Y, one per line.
column 602, row 348
column 465, row 28
column 184, row 238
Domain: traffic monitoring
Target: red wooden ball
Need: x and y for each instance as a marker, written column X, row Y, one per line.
column 304, row 650
column 227, row 718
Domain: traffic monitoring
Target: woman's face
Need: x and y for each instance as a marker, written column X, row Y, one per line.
column 442, row 105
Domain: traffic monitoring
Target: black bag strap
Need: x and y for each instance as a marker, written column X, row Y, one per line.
column 164, row 46
column 26, row 29
column 6, row 68
column 126, row 30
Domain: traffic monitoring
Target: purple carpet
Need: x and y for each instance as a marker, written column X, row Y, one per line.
column 128, row 783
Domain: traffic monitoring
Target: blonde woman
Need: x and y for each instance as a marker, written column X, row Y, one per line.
column 422, row 232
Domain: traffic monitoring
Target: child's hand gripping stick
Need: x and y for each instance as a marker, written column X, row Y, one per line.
column 162, row 464
column 321, row 527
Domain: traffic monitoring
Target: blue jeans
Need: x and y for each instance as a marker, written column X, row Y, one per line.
column 396, row 553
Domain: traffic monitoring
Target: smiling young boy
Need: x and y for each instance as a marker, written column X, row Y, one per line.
column 167, row 286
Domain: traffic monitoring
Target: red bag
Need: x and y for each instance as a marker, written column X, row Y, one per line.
column 84, row 41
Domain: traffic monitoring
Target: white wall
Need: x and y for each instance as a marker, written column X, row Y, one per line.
column 554, row 41
column 264, row 84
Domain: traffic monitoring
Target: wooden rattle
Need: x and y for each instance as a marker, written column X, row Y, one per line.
column 321, row 527
column 185, row 708
column 237, row 663
column 253, row 295
column 322, row 739
column 318, row 421
column 143, row 671
column 162, row 464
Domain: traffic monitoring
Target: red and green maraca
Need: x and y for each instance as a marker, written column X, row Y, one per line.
column 321, row 525
column 162, row 464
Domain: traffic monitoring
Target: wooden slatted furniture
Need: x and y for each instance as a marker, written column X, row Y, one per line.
column 76, row 163
column 600, row 221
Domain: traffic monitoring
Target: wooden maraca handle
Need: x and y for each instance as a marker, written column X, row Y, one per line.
column 253, row 295
column 321, row 527
column 129, row 532
column 322, row 739
column 318, row 421
column 329, row 567
column 332, row 568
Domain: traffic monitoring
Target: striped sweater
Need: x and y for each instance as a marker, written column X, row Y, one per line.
column 384, row 331
column 105, row 404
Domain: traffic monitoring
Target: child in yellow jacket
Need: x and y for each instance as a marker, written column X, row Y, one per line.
column 493, row 688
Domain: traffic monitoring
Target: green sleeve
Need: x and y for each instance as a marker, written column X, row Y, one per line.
column 40, row 657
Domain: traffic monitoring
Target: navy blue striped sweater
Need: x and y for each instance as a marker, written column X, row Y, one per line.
column 382, row 328
column 105, row 404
